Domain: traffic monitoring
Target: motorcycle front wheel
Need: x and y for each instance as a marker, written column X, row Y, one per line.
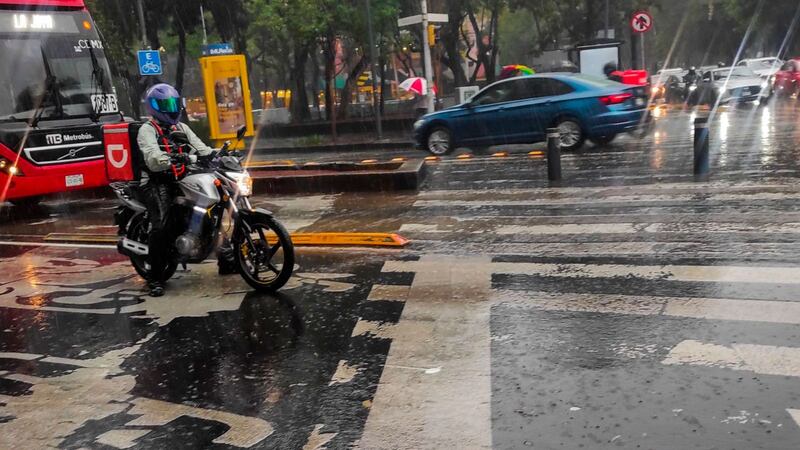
column 264, row 253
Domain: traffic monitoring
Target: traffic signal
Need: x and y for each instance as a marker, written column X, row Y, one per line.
column 431, row 35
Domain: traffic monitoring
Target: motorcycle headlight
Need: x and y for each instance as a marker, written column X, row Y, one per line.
column 243, row 182
column 693, row 87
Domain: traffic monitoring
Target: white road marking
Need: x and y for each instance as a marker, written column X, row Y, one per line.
column 785, row 312
column 716, row 274
column 761, row 359
column 701, row 188
column 628, row 200
column 388, row 292
column 603, row 228
column 344, row 373
column 445, row 323
column 20, row 356
column 242, row 432
column 317, row 440
column 56, row 244
column 376, row 329
column 121, row 438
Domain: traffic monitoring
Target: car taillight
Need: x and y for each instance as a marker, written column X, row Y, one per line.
column 615, row 99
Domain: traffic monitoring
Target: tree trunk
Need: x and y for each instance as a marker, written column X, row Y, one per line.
column 450, row 36
column 329, row 53
column 352, row 78
column 383, row 63
column 180, row 70
column 299, row 105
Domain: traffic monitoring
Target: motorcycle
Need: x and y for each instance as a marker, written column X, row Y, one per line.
column 262, row 248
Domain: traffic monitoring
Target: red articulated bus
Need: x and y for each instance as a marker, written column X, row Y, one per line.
column 56, row 98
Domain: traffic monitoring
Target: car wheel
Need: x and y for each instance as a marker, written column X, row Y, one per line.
column 439, row 141
column 601, row 141
column 571, row 134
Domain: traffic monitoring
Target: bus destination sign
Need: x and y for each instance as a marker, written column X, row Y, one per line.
column 27, row 22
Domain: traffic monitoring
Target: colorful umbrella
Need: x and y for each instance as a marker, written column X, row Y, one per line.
column 417, row 85
column 515, row 70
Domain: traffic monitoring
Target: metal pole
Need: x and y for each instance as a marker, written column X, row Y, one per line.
column 426, row 54
column 701, row 143
column 140, row 12
column 203, row 21
column 644, row 66
column 374, row 68
column 605, row 30
column 553, row 154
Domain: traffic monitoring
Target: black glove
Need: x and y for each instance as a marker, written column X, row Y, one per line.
column 180, row 158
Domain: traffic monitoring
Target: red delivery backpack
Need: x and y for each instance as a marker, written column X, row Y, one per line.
column 124, row 161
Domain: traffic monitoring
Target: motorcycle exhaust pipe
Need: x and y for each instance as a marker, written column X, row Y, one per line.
column 130, row 247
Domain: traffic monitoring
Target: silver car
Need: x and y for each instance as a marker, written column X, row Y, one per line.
column 730, row 85
column 763, row 67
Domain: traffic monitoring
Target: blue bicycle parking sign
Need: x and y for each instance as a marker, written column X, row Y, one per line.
column 150, row 62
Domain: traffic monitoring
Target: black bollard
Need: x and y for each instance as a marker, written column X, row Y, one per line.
column 553, row 154
column 701, row 162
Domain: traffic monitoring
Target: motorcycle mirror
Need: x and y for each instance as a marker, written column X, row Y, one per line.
column 241, row 132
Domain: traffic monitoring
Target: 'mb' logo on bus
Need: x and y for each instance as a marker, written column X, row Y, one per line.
column 53, row 139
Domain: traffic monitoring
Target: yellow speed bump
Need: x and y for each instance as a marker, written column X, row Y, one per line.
column 432, row 158
column 346, row 239
column 536, row 153
column 500, row 154
column 398, row 159
column 298, row 239
column 464, row 156
column 369, row 161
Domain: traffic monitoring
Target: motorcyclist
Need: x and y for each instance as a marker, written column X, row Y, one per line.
column 165, row 162
column 691, row 76
column 612, row 73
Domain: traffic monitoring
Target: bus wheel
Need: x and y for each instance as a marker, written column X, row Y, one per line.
column 27, row 202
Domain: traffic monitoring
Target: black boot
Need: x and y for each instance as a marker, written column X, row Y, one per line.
column 156, row 289
column 226, row 262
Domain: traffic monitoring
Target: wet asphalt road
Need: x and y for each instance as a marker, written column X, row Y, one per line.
column 628, row 307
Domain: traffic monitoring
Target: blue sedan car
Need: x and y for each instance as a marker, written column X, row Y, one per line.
column 520, row 110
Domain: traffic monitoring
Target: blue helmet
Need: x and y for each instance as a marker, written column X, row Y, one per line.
column 164, row 103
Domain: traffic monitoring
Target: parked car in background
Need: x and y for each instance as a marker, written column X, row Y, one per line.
column 763, row 67
column 520, row 110
column 729, row 85
column 787, row 79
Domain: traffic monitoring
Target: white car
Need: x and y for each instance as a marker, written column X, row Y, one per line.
column 763, row 67
column 729, row 85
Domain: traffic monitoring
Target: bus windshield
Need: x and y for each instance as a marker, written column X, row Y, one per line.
column 80, row 79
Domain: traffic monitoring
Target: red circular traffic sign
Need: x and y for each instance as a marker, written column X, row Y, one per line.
column 641, row 21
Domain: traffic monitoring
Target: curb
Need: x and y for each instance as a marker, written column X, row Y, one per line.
column 407, row 175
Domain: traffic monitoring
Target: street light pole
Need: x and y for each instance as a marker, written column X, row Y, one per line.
column 426, row 53
column 374, row 68
column 140, row 12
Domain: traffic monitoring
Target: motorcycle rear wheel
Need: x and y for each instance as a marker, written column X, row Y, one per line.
column 265, row 254
column 137, row 231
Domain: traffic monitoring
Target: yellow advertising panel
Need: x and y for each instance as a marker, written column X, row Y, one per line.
column 227, row 92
